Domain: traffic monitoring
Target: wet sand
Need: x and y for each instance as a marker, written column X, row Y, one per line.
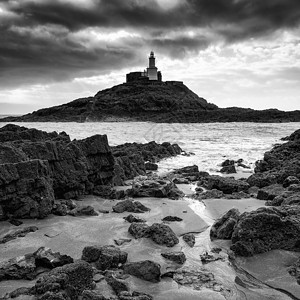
column 69, row 235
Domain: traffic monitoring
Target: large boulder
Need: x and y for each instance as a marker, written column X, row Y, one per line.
column 190, row 239
column 227, row 185
column 265, row 229
column 176, row 256
column 146, row 270
column 139, row 230
column 223, row 227
column 130, row 206
column 104, row 257
column 270, row 192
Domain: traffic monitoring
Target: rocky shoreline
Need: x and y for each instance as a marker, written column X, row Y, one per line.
column 136, row 235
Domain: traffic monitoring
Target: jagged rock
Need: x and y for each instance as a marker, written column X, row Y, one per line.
column 44, row 257
column 261, row 180
column 189, row 238
column 21, row 267
column 134, row 219
column 134, row 296
column 163, row 235
column 158, row 189
column 120, row 242
column 178, row 257
column 188, row 169
column 160, row 233
column 227, row 162
column 116, row 284
column 294, row 188
column 228, row 169
column 70, row 280
column 130, row 206
column 270, row 192
column 83, row 211
column 171, row 219
column 265, row 229
column 146, row 270
column 104, row 257
column 223, row 227
column 210, row 257
column 18, row 233
column 139, row 230
column 290, row 180
column 59, row 209
column 225, row 184
column 286, row 198
column 151, row 166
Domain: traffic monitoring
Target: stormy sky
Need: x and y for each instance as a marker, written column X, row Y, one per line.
column 232, row 52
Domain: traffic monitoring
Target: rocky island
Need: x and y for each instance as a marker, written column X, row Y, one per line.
column 98, row 222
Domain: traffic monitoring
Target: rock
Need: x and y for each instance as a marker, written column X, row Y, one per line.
column 18, row 233
column 223, row 227
column 294, row 270
column 44, row 257
column 290, row 180
column 163, row 235
column 134, row 296
column 179, row 180
column 293, row 137
column 139, row 230
column 104, row 257
column 294, row 188
column 83, row 211
column 225, row 184
column 71, row 280
column 157, row 189
column 171, row 219
column 130, row 206
column 228, row 162
column 189, row 238
column 178, row 257
column 261, row 180
column 15, row 222
column 117, row 285
column 21, row 267
column 134, row 219
column 286, row 198
column 265, row 229
column 103, row 211
column 59, row 209
column 120, row 242
column 210, row 194
column 228, row 169
column 270, row 192
column 210, row 257
column 151, row 166
column 146, row 270
column 188, row 169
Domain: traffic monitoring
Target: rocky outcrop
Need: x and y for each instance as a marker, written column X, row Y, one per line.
column 265, row 229
column 130, row 206
column 160, row 233
column 270, row 192
column 223, row 227
column 227, row 185
column 36, row 167
column 171, row 219
column 146, row 270
column 134, row 219
column 160, row 102
column 104, row 257
column 189, row 238
column 176, row 256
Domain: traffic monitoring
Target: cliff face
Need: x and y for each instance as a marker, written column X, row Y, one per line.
column 170, row 102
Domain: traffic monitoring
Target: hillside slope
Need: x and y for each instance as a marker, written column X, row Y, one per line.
column 156, row 102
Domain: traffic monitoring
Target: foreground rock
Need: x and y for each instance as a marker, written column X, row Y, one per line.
column 160, row 233
column 146, row 270
column 265, row 229
column 223, row 227
column 104, row 257
column 178, row 257
column 189, row 238
column 130, row 206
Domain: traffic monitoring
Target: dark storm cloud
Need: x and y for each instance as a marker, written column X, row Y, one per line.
column 32, row 51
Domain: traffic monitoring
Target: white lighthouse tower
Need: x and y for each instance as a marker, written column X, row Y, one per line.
column 152, row 70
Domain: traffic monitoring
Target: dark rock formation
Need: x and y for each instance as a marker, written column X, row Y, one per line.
column 83, row 211
column 189, row 238
column 290, row 180
column 116, row 284
column 270, row 192
column 130, row 206
column 36, row 166
column 67, row 282
column 134, row 219
column 151, row 166
column 171, row 219
column 18, row 233
column 160, row 233
column 104, row 257
column 178, row 257
column 146, row 270
column 265, row 229
column 120, row 242
column 161, row 102
column 223, row 227
column 187, row 170
column 228, row 169
column 157, row 189
column 225, row 184
column 210, row 257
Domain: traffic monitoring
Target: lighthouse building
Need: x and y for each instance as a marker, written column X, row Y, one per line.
column 150, row 74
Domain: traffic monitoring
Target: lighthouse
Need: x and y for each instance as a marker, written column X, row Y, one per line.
column 152, row 70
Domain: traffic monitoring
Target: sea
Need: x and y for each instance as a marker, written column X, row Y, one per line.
column 207, row 144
